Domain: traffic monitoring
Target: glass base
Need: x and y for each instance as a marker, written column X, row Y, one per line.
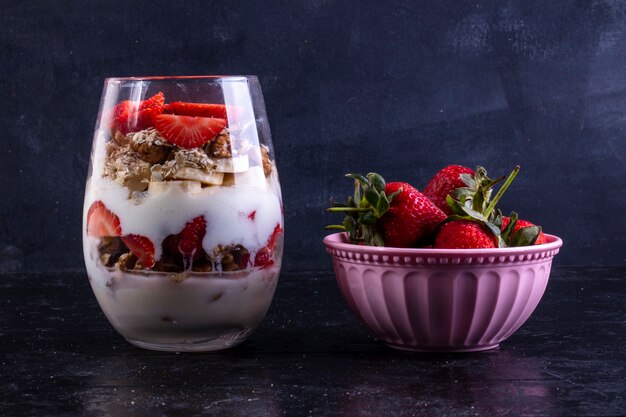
column 223, row 341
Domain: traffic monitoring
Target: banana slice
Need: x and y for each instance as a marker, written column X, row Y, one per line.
column 195, row 174
column 158, row 187
column 231, row 165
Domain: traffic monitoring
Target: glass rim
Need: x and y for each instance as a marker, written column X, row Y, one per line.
column 181, row 77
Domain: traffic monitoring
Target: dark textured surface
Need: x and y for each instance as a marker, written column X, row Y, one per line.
column 400, row 87
column 59, row 357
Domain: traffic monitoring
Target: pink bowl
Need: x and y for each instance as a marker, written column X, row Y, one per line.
column 445, row 300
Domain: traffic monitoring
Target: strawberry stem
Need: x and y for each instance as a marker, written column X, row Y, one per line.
column 347, row 209
column 336, row 227
column 501, row 191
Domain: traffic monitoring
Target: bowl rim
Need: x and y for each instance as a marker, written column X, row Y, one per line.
column 339, row 241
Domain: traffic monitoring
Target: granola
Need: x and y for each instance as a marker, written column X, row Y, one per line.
column 150, row 145
column 220, row 147
column 126, row 168
column 188, row 164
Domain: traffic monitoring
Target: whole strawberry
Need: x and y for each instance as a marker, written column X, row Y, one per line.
column 412, row 217
column 394, row 214
column 444, row 182
column 465, row 234
column 522, row 232
column 475, row 222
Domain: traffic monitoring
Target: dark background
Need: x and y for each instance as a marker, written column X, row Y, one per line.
column 398, row 87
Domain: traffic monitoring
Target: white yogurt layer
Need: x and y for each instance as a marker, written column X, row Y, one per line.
column 227, row 209
column 156, row 308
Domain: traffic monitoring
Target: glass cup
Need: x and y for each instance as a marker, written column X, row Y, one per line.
column 182, row 221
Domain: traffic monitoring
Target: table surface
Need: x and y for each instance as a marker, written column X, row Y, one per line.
column 311, row 356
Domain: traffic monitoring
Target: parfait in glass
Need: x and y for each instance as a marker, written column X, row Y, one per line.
column 182, row 221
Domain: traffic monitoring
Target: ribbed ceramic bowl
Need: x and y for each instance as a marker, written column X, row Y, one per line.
column 447, row 300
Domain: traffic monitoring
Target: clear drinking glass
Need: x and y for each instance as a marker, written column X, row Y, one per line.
column 182, row 222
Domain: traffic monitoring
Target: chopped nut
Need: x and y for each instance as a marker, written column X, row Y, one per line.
column 267, row 162
column 127, row 261
column 124, row 166
column 227, row 259
column 230, row 267
column 232, row 258
column 220, row 147
column 110, row 249
column 202, row 265
column 150, row 145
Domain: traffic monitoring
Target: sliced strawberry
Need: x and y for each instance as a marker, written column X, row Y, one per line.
column 191, row 236
column 120, row 114
column 156, row 101
column 188, row 132
column 142, row 248
column 146, row 118
column 265, row 256
column 102, row 222
column 271, row 242
column 132, row 116
column 197, row 109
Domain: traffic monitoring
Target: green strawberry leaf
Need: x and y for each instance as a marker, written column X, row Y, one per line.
column 350, row 225
column 468, row 180
column 391, row 196
column 506, row 233
column 360, row 178
column 526, row 236
column 383, row 204
column 372, row 196
column 455, row 206
column 367, row 218
column 482, row 219
column 376, row 181
column 462, row 192
column 358, row 193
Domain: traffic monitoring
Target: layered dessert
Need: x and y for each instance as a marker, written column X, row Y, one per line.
column 182, row 223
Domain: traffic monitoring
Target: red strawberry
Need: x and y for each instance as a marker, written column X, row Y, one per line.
column 465, row 234
column 187, row 242
column 520, row 225
column 191, row 236
column 265, row 255
column 145, row 119
column 188, row 132
column 142, row 248
column 196, row 109
column 102, row 222
column 132, row 116
column 444, row 181
column 411, row 218
column 156, row 101
column 263, row 258
column 120, row 114
column 273, row 239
